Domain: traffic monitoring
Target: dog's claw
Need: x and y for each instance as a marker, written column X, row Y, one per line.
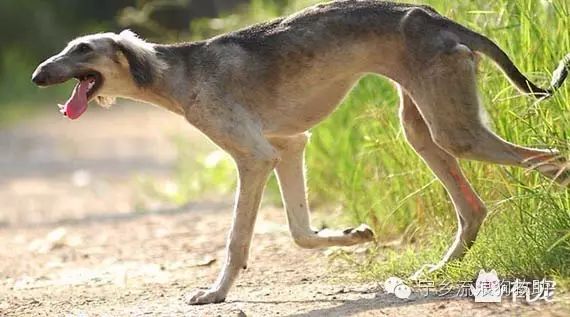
column 362, row 233
column 202, row 297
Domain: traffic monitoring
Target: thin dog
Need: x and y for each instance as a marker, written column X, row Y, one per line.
column 257, row 91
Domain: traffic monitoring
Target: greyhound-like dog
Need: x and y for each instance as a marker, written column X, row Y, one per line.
column 256, row 92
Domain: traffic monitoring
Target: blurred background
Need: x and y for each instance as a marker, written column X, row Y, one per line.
column 360, row 167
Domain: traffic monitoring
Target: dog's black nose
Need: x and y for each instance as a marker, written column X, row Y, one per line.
column 40, row 78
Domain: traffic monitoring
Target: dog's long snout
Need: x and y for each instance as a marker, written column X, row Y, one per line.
column 40, row 77
column 50, row 72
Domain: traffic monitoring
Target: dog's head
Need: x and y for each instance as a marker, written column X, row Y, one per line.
column 107, row 65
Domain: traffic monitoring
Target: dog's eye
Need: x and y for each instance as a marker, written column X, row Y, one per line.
column 83, row 48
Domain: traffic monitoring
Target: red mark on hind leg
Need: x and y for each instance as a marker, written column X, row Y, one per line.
column 466, row 189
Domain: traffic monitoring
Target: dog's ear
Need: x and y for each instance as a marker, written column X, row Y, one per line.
column 140, row 56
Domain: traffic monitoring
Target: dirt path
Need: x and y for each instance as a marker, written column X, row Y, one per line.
column 78, row 238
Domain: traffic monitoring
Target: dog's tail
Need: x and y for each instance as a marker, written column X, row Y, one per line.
column 482, row 44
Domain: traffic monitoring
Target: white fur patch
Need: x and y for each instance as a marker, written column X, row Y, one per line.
column 105, row 101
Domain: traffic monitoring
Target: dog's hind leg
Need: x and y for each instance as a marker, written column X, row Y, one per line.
column 446, row 94
column 291, row 176
column 469, row 208
column 442, row 82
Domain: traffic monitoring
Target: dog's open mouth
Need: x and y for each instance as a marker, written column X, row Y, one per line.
column 84, row 91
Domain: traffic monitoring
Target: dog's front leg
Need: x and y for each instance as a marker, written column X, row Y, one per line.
column 291, row 176
column 253, row 173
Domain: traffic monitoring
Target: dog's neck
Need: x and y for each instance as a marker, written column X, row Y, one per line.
column 157, row 72
column 158, row 95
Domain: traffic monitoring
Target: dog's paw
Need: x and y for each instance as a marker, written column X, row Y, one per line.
column 202, row 297
column 362, row 233
column 558, row 174
column 556, row 168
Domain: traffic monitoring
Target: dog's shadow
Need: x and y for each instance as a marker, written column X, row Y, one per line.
column 381, row 300
column 115, row 217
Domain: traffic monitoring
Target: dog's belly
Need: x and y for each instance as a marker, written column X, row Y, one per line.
column 305, row 110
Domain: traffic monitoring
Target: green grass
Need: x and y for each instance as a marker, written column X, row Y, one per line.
column 378, row 179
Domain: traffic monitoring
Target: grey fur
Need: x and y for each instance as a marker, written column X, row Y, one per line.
column 256, row 92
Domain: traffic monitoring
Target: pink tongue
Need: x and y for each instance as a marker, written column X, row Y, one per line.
column 77, row 103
